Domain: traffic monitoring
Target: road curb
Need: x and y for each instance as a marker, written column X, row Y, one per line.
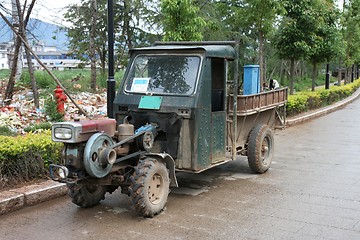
column 16, row 199
column 322, row 111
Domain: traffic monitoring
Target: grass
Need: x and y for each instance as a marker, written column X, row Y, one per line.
column 302, row 84
column 73, row 80
column 79, row 80
column 4, row 73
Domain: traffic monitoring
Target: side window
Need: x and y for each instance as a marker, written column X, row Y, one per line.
column 218, row 72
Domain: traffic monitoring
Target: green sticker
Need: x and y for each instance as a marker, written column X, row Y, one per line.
column 150, row 102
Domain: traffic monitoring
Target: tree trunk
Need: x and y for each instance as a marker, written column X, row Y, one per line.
column 313, row 83
column 10, row 87
column 339, row 73
column 282, row 73
column 346, row 80
column 14, row 59
column 103, row 60
column 22, row 25
column 92, row 47
column 16, row 15
column 292, row 75
column 32, row 76
column 127, row 18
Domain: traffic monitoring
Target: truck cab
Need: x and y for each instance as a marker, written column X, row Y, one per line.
column 177, row 109
column 183, row 90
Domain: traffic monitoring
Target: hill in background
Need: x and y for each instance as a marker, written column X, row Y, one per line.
column 49, row 34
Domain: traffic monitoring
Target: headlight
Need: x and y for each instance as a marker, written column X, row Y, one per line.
column 63, row 133
column 63, row 172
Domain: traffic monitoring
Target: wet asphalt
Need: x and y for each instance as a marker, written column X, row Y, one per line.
column 312, row 191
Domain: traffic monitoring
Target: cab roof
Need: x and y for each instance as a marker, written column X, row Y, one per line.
column 215, row 51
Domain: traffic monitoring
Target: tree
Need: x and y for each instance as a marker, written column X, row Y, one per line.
column 138, row 25
column 92, row 51
column 326, row 42
column 130, row 17
column 180, row 21
column 20, row 25
column 23, row 24
column 259, row 17
column 293, row 39
column 351, row 32
column 14, row 60
column 87, row 35
column 224, row 22
column 16, row 15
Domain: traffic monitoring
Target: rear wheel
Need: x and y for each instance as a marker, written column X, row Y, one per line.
column 86, row 195
column 149, row 188
column 260, row 148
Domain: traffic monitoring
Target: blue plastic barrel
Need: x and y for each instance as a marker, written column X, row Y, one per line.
column 251, row 84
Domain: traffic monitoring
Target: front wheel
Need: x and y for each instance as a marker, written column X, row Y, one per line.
column 86, row 195
column 149, row 188
column 260, row 148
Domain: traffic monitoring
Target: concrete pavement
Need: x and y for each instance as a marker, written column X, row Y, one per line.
column 15, row 199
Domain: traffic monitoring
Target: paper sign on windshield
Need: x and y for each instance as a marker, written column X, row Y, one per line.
column 140, row 84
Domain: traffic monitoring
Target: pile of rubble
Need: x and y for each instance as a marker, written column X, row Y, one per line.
column 22, row 113
column 93, row 104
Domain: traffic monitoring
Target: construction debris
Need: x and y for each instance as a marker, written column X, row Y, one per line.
column 21, row 113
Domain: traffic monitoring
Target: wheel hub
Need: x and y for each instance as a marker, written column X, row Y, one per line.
column 265, row 150
column 156, row 190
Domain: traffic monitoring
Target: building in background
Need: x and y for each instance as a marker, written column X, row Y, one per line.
column 49, row 55
column 5, row 49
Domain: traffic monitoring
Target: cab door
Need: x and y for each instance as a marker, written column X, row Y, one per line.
column 218, row 110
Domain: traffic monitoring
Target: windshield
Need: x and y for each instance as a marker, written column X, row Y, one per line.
column 163, row 74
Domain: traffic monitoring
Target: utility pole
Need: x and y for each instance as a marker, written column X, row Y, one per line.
column 111, row 80
column 327, row 77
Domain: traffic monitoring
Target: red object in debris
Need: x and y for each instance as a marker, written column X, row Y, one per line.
column 60, row 99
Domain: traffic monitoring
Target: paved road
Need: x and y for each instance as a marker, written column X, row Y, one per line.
column 312, row 191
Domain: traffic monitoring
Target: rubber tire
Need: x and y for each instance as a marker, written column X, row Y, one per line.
column 86, row 196
column 141, row 181
column 260, row 155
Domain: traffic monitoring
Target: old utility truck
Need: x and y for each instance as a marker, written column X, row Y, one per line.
column 176, row 110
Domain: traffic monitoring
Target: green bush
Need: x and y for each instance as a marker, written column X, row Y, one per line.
column 23, row 158
column 304, row 101
column 6, row 131
column 314, row 100
column 51, row 110
column 297, row 103
column 38, row 127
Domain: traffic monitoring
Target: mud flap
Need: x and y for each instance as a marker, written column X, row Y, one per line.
column 170, row 165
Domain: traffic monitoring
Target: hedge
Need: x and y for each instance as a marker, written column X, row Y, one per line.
column 24, row 158
column 307, row 100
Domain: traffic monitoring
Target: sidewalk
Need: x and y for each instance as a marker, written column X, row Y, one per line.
column 18, row 198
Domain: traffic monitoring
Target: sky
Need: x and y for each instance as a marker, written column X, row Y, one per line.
column 47, row 10
column 52, row 10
